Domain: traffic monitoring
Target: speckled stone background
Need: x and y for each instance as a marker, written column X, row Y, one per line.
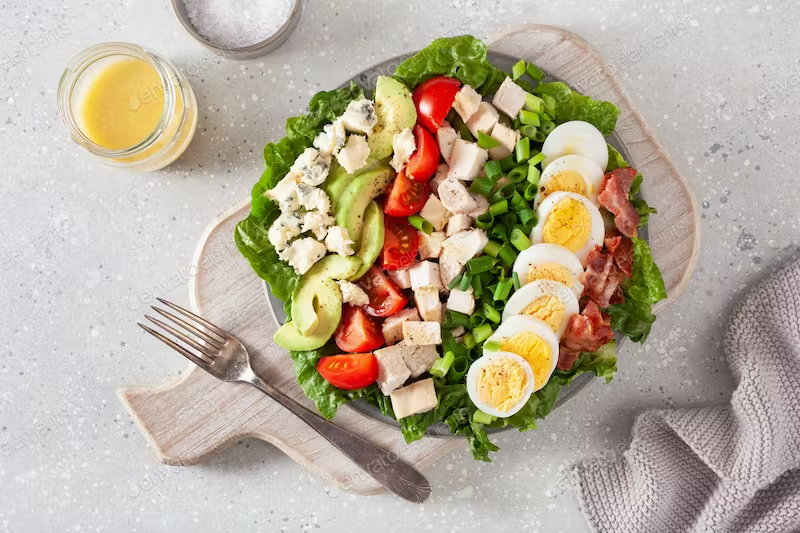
column 84, row 249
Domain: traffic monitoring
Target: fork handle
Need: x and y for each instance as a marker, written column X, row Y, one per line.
column 385, row 467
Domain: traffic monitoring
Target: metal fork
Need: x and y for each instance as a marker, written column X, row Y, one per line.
column 225, row 358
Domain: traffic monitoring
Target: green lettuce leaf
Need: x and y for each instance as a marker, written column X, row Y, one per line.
column 602, row 363
column 571, row 105
column 463, row 57
column 631, row 318
column 615, row 159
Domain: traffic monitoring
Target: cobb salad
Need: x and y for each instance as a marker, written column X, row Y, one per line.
column 456, row 247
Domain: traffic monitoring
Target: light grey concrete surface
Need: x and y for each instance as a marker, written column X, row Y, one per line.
column 84, row 247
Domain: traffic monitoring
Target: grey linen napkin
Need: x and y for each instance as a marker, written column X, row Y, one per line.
column 734, row 468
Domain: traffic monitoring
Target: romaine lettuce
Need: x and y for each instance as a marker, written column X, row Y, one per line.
column 571, row 105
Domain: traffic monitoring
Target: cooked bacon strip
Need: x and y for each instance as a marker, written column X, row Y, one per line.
column 621, row 248
column 586, row 332
column 602, row 277
column 613, row 195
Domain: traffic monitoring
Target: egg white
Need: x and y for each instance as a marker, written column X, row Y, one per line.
column 543, row 287
column 549, row 253
column 596, row 233
column 586, row 167
column 575, row 137
column 521, row 324
column 472, row 383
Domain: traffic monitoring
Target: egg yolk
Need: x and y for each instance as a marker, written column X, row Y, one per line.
column 548, row 308
column 568, row 224
column 502, row 383
column 551, row 271
column 535, row 351
column 567, row 180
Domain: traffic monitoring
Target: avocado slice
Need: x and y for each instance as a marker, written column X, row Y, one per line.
column 317, row 292
column 396, row 112
column 355, row 198
column 337, row 182
column 371, row 239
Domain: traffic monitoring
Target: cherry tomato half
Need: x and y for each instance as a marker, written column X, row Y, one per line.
column 349, row 372
column 425, row 160
column 357, row 331
column 400, row 243
column 384, row 297
column 407, row 197
column 433, row 99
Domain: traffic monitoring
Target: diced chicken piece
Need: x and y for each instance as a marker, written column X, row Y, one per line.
column 455, row 197
column 430, row 245
column 422, row 333
column 392, row 368
column 509, row 98
column 354, row 154
column 439, row 177
column 467, row 102
column 449, row 267
column 434, row 212
column 403, row 145
column 507, row 138
column 467, row 160
column 420, row 359
column 393, row 325
column 458, row 332
column 419, row 397
column 458, row 223
column 483, row 120
column 446, row 136
column 352, row 293
column 400, row 277
column 461, row 301
column 465, row 245
column 428, row 304
column 481, row 206
column 425, row 274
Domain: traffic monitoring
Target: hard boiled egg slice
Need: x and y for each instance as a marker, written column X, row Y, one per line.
column 500, row 383
column 571, row 173
column 549, row 301
column 575, row 137
column 550, row 261
column 569, row 220
column 530, row 338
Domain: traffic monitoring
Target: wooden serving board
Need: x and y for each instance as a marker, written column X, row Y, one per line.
column 188, row 419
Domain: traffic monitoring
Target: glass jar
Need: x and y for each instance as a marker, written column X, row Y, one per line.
column 168, row 128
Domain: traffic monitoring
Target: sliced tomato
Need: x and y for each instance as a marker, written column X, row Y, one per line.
column 384, row 297
column 425, row 160
column 357, row 331
column 400, row 243
column 433, row 99
column 407, row 197
column 350, row 371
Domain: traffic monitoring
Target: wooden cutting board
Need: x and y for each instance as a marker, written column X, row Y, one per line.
column 188, row 419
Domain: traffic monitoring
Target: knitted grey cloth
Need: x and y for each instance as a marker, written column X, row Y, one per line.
column 721, row 469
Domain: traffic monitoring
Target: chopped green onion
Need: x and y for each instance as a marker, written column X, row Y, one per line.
column 533, row 173
column 493, row 169
column 510, row 220
column 454, row 319
column 528, row 131
column 442, row 365
column 492, row 346
column 518, row 174
column 517, row 284
column 461, row 128
column 420, row 223
column 502, row 291
column 498, row 208
column 482, row 186
column 477, row 286
column 547, row 126
column 458, row 369
column 519, row 240
column 476, row 319
column 466, row 279
column 499, row 232
column 534, row 72
column 529, row 118
column 468, row 340
column 536, row 159
column 503, row 193
column 507, row 163
column 549, row 104
column 518, row 69
column 487, row 141
column 479, row 417
column 522, row 151
column 507, row 254
column 491, row 314
column 539, row 137
column 518, row 202
column 485, row 221
column 526, row 215
column 516, row 124
column 482, row 332
column 483, row 263
column 492, row 248
column 534, row 103
column 453, row 284
column 530, row 191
